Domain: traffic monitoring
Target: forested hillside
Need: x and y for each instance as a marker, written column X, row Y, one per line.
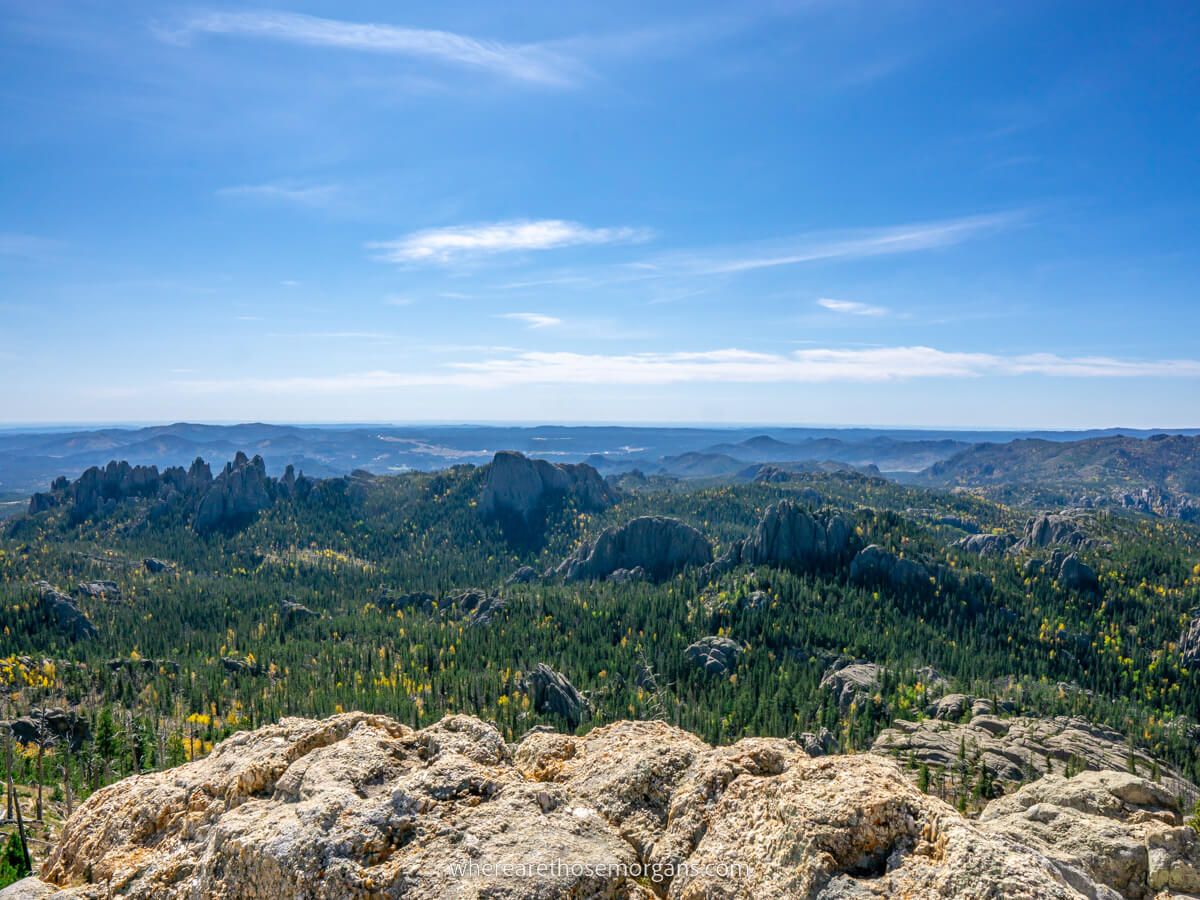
column 404, row 595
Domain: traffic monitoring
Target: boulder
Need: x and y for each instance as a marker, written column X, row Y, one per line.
column 235, row 497
column 659, row 545
column 156, row 566
column 1121, row 830
column 818, row 743
column 520, row 489
column 550, row 692
column 68, row 618
column 715, row 655
column 952, row 707
column 360, row 805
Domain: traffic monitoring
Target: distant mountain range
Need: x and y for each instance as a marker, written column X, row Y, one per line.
column 1025, row 463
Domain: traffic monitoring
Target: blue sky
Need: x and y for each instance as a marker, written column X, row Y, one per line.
column 889, row 213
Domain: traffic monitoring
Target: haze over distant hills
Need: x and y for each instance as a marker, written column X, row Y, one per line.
column 999, row 462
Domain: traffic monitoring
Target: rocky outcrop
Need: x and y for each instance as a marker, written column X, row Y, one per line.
column 231, row 500
column 1049, row 529
column 715, row 655
column 236, row 496
column 790, row 537
column 851, row 681
column 550, row 692
column 519, row 489
column 63, row 613
column 986, row 544
column 99, row 590
column 1120, row 830
column 877, row 567
column 1072, row 573
column 156, row 566
column 53, row 726
column 659, row 545
column 478, row 606
column 1189, row 642
column 523, row 575
column 1016, row 749
column 360, row 805
column 291, row 611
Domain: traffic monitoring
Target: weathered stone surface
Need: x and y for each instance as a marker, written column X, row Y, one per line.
column 715, row 655
column 235, row 497
column 550, row 692
column 1121, row 830
column 31, row 888
column 521, row 488
column 1017, row 748
column 659, row 545
column 156, row 566
column 360, row 805
column 64, row 614
column 790, row 537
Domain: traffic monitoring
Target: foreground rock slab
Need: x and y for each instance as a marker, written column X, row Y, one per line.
column 359, row 805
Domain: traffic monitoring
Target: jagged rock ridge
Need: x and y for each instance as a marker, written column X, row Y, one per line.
column 360, row 805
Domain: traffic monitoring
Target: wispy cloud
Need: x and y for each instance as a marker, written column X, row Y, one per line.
column 532, row 319
column 735, row 366
column 521, row 62
column 447, row 245
column 313, row 195
column 852, row 307
column 858, row 244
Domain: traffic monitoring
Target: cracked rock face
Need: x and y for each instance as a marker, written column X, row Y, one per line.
column 1120, row 830
column 361, row 806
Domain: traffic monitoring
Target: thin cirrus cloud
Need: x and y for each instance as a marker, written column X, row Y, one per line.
column 314, row 195
column 520, row 62
column 532, row 319
column 851, row 307
column 734, row 366
column 861, row 243
column 447, row 245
